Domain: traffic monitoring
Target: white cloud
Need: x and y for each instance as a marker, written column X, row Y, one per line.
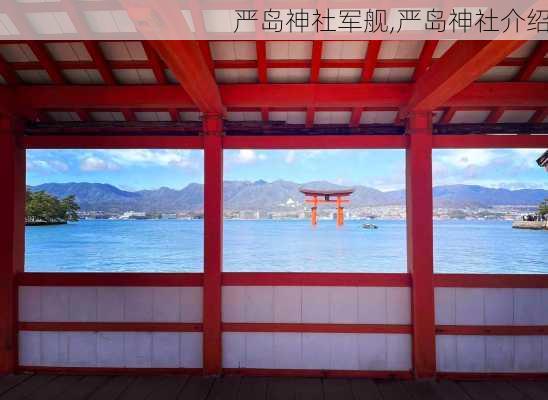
column 246, row 156
column 290, row 157
column 467, row 158
column 91, row 164
column 141, row 157
column 47, row 166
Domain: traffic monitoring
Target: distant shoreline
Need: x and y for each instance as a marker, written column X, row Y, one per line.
column 43, row 223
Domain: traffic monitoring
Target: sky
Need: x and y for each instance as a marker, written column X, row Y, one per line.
column 382, row 169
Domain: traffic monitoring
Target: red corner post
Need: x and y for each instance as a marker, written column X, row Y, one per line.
column 12, row 237
column 213, row 242
column 420, row 241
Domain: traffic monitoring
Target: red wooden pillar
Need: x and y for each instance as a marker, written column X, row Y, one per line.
column 12, row 238
column 213, row 243
column 420, row 242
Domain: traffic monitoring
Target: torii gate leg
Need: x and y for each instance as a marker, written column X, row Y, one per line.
column 314, row 214
column 340, row 212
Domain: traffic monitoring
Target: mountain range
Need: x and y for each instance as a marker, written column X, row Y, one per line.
column 274, row 196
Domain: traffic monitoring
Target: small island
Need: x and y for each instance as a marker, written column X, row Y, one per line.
column 43, row 209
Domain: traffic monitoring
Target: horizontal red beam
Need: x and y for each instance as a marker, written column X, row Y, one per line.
column 492, row 376
column 108, row 370
column 315, row 328
column 111, row 142
column 316, row 373
column 316, row 142
column 109, row 327
column 314, row 279
column 491, row 281
column 489, row 141
column 499, row 330
column 109, row 279
column 325, row 95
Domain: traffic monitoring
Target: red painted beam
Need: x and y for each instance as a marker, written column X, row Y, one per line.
column 492, row 330
column 448, row 116
column 420, row 254
column 316, row 142
column 100, row 62
column 155, row 63
column 47, row 61
column 461, row 65
column 327, row 96
column 314, row 279
column 425, row 58
column 186, row 61
column 491, row 280
column 260, row 46
column 213, row 244
column 316, row 373
column 109, row 279
column 539, row 116
column 370, row 61
column 535, row 60
column 8, row 73
column 315, row 328
column 471, row 141
column 12, row 239
column 316, row 61
column 494, row 115
column 111, row 142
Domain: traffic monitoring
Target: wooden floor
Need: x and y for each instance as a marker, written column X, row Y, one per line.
column 42, row 387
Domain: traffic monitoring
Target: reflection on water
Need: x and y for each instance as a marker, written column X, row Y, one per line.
column 177, row 246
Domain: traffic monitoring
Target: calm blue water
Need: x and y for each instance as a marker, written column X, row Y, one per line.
column 176, row 246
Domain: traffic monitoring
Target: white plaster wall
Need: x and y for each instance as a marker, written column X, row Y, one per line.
column 111, row 349
column 325, row 351
column 110, row 304
column 476, row 353
column 489, row 306
column 315, row 304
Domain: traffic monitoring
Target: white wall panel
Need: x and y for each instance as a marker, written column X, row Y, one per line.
column 54, row 304
column 83, row 304
column 259, row 304
column 372, row 305
column 480, row 353
column 343, row 305
column 528, row 353
column 259, row 350
column 287, row 350
column 491, row 306
column 499, row 351
column 111, row 349
column 317, row 304
column 287, row 304
column 110, row 304
column 470, row 353
column 29, row 303
column 325, row 351
column 469, row 309
column 499, row 306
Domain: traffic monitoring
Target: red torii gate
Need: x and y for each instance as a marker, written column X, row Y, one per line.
column 327, row 194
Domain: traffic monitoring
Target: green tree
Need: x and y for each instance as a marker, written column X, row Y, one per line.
column 70, row 207
column 42, row 207
column 543, row 207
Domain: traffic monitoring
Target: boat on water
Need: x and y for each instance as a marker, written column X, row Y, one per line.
column 370, row 226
